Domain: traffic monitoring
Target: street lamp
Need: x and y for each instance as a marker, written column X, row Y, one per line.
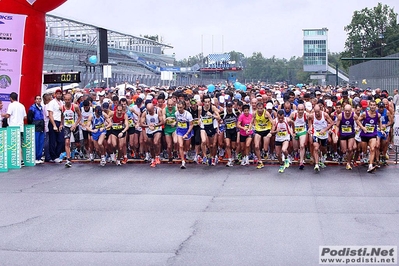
column 73, row 41
column 381, row 37
column 363, row 42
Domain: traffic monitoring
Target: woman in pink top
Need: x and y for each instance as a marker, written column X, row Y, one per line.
column 246, row 132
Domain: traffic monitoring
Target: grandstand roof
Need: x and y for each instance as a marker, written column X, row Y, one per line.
column 72, row 25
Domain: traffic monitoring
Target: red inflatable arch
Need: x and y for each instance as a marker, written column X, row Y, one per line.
column 33, row 53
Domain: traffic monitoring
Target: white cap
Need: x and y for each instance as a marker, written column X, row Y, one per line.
column 308, row 106
column 78, row 95
column 329, row 103
column 197, row 98
column 101, row 93
column 269, row 106
column 142, row 96
column 246, row 99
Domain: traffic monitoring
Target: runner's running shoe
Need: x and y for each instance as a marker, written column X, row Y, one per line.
column 281, row 169
column 183, row 165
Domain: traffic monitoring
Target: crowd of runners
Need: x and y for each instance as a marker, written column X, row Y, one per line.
column 279, row 123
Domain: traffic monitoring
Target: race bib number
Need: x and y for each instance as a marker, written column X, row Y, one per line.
column 117, row 126
column 182, row 124
column 231, row 125
column 131, row 123
column 207, row 121
column 299, row 129
column 346, row 129
column 320, row 134
column 170, row 121
column 99, row 126
column 369, row 128
column 69, row 122
column 282, row 133
column 262, row 127
column 195, row 122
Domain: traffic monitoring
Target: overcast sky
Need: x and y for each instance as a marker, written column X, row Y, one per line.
column 270, row 27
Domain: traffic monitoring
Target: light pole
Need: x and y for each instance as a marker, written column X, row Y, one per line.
column 363, row 42
column 73, row 41
column 381, row 37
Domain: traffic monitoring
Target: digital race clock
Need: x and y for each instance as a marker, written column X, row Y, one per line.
column 66, row 77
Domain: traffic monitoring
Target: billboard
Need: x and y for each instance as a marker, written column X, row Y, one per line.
column 12, row 28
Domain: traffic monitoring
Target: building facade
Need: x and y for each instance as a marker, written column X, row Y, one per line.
column 315, row 52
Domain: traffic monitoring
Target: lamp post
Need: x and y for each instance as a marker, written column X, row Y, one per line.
column 363, row 42
column 381, row 37
column 73, row 41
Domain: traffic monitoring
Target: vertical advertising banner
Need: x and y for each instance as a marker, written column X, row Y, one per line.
column 14, row 147
column 12, row 28
column 3, row 150
column 29, row 146
column 396, row 130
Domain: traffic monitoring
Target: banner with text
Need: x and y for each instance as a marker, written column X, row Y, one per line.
column 12, row 28
column 3, row 150
column 14, row 147
column 29, row 146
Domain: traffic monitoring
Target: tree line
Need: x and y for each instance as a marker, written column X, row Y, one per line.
column 373, row 32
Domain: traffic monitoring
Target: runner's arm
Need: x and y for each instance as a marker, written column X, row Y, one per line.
column 77, row 122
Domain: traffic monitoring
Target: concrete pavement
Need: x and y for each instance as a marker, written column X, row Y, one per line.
column 136, row 215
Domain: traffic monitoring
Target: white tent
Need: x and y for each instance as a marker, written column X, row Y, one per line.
column 51, row 90
column 70, row 86
column 123, row 86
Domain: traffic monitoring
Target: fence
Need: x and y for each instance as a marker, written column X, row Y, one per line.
column 377, row 74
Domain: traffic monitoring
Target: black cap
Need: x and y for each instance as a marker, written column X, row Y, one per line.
column 105, row 105
column 381, row 104
column 98, row 109
column 229, row 104
column 86, row 103
column 139, row 100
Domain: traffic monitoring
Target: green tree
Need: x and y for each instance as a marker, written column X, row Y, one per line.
column 256, row 67
column 238, row 57
column 373, row 32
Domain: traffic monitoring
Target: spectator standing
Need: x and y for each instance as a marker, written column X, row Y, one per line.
column 56, row 132
column 16, row 114
column 36, row 117
column 396, row 98
column 1, row 113
column 46, row 100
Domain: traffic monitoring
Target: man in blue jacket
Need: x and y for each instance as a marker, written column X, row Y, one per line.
column 36, row 117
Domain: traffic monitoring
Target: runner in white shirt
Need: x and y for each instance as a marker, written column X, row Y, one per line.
column 56, row 132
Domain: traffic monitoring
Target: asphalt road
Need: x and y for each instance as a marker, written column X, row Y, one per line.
column 136, row 215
